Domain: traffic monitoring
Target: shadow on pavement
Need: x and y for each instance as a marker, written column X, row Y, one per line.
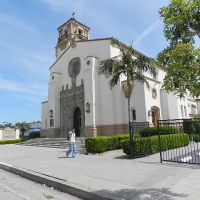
column 122, row 157
column 143, row 194
column 62, row 157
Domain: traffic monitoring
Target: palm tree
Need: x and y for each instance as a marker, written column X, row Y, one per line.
column 23, row 126
column 130, row 66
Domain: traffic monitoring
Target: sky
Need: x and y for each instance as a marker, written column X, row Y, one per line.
column 28, row 37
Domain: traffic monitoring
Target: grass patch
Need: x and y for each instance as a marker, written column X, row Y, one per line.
column 10, row 141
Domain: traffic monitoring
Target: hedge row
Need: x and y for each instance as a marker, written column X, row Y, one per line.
column 191, row 126
column 149, row 145
column 104, row 143
column 150, row 131
column 196, row 137
column 10, row 141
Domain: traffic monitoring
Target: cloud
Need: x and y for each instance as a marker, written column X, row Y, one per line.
column 13, row 21
column 147, row 32
column 32, row 89
column 64, row 5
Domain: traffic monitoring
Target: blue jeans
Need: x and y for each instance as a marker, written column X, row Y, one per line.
column 72, row 150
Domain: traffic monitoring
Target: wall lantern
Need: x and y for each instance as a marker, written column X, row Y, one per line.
column 149, row 113
column 87, row 107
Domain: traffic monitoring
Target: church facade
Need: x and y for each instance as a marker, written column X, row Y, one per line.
column 79, row 97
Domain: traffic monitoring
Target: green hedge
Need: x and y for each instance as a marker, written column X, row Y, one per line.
column 10, row 141
column 196, row 137
column 191, row 126
column 150, row 131
column 34, row 135
column 104, row 143
column 150, row 145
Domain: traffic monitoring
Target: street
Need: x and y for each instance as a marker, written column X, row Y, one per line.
column 14, row 187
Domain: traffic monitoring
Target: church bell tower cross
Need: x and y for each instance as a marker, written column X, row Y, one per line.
column 69, row 33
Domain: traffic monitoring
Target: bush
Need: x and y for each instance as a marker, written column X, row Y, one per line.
column 150, row 131
column 10, row 141
column 191, row 126
column 149, row 145
column 196, row 137
column 104, row 143
column 34, row 135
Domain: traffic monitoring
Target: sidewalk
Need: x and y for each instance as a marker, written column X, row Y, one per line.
column 106, row 176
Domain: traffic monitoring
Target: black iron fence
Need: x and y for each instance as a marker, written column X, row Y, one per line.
column 182, row 141
column 140, row 146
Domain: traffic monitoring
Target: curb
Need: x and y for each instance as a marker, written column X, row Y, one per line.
column 58, row 184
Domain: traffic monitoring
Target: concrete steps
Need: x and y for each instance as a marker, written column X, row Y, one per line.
column 61, row 143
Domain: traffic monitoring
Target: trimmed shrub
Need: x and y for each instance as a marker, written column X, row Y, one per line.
column 196, row 137
column 150, row 131
column 35, row 134
column 191, row 126
column 104, row 143
column 149, row 145
column 10, row 141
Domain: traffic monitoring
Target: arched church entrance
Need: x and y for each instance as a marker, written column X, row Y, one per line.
column 77, row 121
column 155, row 115
column 72, row 106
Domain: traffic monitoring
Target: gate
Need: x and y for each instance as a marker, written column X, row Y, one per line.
column 141, row 145
column 182, row 141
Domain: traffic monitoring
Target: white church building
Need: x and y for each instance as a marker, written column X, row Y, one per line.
column 79, row 97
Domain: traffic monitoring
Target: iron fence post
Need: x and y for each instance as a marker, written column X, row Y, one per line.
column 131, row 140
column 159, row 139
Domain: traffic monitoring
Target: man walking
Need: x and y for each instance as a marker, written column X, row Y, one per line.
column 72, row 143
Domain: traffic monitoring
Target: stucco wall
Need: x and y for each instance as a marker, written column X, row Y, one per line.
column 45, row 117
column 107, row 107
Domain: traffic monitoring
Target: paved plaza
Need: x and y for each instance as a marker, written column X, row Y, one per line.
column 104, row 176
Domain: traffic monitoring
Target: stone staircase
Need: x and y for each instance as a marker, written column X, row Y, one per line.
column 61, row 143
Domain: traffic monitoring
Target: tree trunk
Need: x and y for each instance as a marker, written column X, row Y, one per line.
column 22, row 132
column 130, row 131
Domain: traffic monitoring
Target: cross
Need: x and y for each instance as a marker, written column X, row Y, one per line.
column 73, row 14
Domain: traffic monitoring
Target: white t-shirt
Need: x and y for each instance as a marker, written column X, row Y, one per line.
column 72, row 136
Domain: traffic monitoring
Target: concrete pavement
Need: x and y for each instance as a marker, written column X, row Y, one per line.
column 14, row 187
column 104, row 176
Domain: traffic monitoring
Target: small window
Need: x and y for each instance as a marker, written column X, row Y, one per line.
column 51, row 122
column 51, row 113
column 80, row 32
column 133, row 115
column 52, row 77
column 88, row 62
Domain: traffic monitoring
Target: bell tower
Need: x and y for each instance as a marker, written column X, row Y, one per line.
column 70, row 32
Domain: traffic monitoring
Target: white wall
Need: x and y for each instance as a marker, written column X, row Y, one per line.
column 17, row 133
column 90, row 50
column 45, row 116
column 1, row 135
column 54, row 97
column 164, row 104
column 198, row 106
